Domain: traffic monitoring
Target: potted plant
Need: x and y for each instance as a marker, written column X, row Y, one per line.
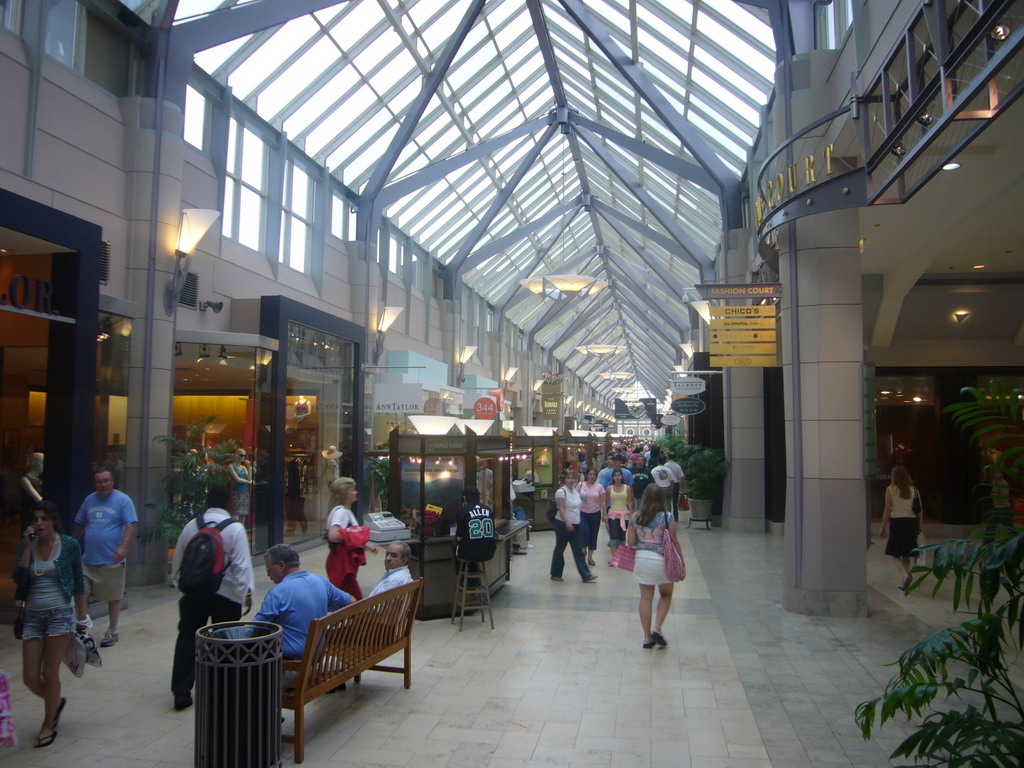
column 378, row 472
column 705, row 470
column 195, row 466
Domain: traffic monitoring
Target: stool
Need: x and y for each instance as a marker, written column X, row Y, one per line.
column 471, row 592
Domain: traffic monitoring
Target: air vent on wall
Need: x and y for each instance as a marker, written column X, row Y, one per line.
column 190, row 293
column 105, row 262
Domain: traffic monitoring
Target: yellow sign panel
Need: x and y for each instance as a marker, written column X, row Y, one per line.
column 744, row 349
column 721, row 323
column 757, row 311
column 744, row 361
column 729, row 336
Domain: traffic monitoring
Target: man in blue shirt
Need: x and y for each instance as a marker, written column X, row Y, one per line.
column 108, row 521
column 614, row 462
column 298, row 598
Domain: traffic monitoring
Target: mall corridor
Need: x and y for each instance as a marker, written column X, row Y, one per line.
column 562, row 681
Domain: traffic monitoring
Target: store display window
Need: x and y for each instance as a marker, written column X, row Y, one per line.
column 319, row 428
column 113, row 345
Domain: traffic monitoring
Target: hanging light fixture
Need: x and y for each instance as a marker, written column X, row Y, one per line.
column 556, row 284
column 616, row 375
column 601, row 349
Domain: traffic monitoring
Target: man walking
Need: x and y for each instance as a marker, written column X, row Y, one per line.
column 197, row 608
column 107, row 520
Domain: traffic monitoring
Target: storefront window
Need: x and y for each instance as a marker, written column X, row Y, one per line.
column 225, row 384
column 319, row 426
column 24, row 342
column 112, row 348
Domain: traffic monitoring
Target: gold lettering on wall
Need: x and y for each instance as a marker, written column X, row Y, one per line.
column 809, row 177
column 791, row 172
column 780, row 186
column 829, row 150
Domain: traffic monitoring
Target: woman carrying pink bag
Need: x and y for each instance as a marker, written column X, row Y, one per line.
column 646, row 534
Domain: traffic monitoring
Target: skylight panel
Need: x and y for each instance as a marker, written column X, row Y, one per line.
column 188, row 9
column 319, row 101
column 726, row 143
column 464, row 71
column 338, row 120
column 211, row 59
column 383, row 48
column 397, row 69
column 296, row 77
column 268, row 57
column 730, row 41
column 722, row 92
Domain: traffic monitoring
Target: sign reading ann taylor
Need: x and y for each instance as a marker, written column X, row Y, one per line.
column 687, row 385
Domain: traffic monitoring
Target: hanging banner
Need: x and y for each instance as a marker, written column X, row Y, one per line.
column 687, row 385
column 551, row 404
column 688, row 406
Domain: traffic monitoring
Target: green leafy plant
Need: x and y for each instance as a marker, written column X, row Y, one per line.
column 195, row 466
column 705, row 471
column 377, row 474
column 961, row 681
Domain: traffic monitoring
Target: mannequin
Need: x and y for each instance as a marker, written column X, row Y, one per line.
column 32, row 483
column 241, row 475
column 331, row 456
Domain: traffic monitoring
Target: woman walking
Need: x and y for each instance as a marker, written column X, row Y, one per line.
column 646, row 534
column 905, row 522
column 348, row 540
column 592, row 512
column 620, row 509
column 48, row 572
column 567, row 530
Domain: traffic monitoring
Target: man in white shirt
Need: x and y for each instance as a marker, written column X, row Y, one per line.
column 677, row 479
column 198, row 610
column 396, row 561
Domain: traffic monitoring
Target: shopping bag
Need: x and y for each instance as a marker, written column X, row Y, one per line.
column 675, row 568
column 8, row 736
column 624, row 558
column 82, row 650
column 922, row 558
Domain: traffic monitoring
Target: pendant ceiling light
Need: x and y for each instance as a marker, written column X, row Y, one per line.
column 601, row 349
column 556, row 284
column 616, row 375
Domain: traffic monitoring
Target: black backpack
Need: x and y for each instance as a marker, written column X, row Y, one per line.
column 204, row 563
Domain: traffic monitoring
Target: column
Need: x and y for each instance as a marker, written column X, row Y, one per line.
column 825, row 568
column 744, row 504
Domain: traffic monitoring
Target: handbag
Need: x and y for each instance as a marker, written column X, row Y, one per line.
column 916, row 504
column 624, row 557
column 675, row 568
column 19, row 623
column 684, row 504
column 922, row 558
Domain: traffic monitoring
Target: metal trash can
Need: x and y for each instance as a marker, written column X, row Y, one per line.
column 238, row 695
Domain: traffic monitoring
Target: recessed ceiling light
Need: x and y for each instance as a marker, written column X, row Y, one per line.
column 979, row 266
column 951, row 166
column 918, row 399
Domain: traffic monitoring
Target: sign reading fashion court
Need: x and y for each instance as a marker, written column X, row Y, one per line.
column 740, row 291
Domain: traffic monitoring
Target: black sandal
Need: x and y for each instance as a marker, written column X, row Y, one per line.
column 656, row 637
column 649, row 645
column 45, row 741
column 56, row 715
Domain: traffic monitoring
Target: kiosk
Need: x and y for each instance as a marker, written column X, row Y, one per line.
column 427, row 475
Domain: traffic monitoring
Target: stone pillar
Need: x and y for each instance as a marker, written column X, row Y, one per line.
column 149, row 407
column 825, row 568
column 744, row 508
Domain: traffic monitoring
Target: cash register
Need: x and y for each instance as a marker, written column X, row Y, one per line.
column 386, row 527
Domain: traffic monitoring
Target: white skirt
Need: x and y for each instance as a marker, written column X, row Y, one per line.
column 650, row 568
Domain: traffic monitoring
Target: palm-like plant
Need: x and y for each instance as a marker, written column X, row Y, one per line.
column 968, row 670
column 194, row 468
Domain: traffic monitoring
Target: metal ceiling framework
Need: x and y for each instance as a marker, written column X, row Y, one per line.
column 606, row 137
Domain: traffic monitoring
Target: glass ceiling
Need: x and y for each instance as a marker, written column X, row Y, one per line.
column 341, row 80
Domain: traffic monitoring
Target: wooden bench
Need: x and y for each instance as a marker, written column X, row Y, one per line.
column 344, row 644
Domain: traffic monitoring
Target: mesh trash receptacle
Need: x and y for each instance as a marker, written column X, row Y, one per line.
column 238, row 695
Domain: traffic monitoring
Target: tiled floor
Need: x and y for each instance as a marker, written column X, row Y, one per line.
column 563, row 680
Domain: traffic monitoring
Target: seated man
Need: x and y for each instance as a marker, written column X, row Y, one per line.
column 396, row 561
column 298, row 597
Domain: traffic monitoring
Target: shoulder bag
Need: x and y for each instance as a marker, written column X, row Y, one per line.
column 675, row 567
column 624, row 557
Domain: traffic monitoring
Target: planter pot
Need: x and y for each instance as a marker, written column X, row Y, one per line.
column 700, row 509
column 551, row 389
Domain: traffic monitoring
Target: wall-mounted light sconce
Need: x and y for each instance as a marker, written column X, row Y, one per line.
column 687, row 348
column 105, row 330
column 465, row 357
column 204, row 352
column 195, row 222
column 960, row 315
column 537, row 385
column 213, row 306
column 510, row 373
column 387, row 319
column 222, row 355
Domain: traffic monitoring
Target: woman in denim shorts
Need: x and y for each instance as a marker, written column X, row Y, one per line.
column 48, row 572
